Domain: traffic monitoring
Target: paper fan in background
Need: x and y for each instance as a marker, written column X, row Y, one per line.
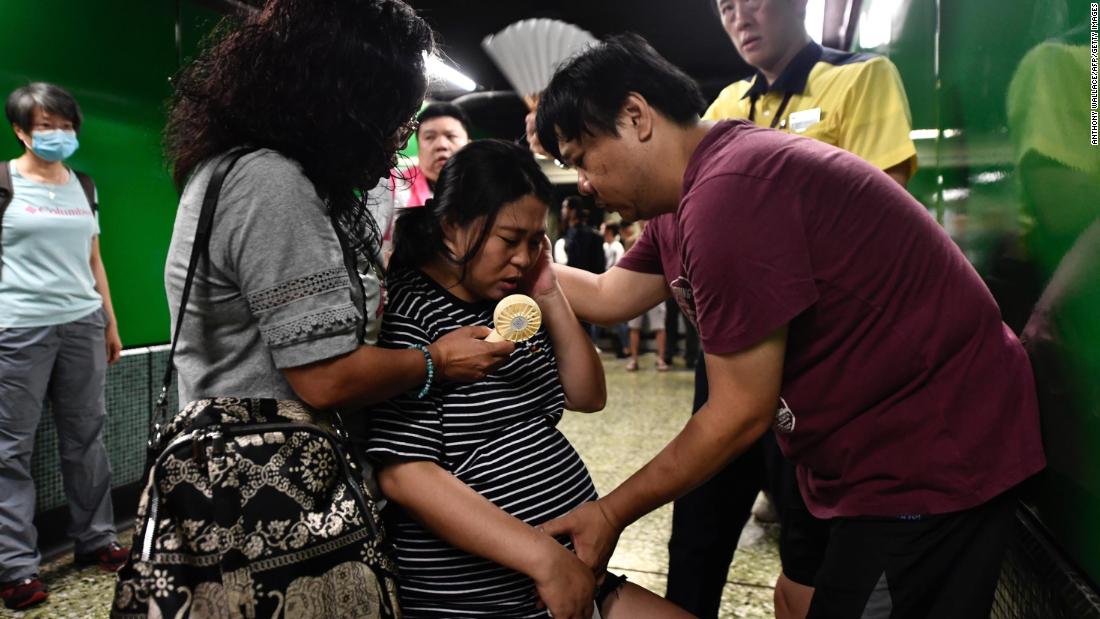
column 527, row 52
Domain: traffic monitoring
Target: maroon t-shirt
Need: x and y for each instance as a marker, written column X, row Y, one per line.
column 903, row 392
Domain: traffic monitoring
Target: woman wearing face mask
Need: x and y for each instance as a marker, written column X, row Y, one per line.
column 57, row 336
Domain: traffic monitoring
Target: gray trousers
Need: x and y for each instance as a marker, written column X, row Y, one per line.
column 67, row 362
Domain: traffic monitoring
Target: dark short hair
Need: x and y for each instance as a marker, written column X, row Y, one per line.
column 49, row 97
column 478, row 181
column 579, row 206
column 574, row 202
column 612, row 227
column 440, row 110
column 587, row 93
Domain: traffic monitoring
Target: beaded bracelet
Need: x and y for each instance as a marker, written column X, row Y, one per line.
column 431, row 371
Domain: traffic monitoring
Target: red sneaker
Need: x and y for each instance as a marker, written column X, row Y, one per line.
column 109, row 558
column 20, row 594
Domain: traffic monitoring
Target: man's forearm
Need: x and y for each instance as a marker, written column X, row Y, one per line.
column 583, row 291
column 611, row 297
column 705, row 445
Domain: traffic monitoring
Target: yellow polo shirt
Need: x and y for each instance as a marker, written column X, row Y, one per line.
column 851, row 100
column 1049, row 107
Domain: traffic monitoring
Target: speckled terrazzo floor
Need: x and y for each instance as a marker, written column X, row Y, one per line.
column 75, row 593
column 645, row 409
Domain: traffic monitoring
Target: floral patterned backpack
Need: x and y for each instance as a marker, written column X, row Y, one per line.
column 253, row 507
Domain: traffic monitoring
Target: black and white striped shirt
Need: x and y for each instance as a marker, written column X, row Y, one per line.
column 498, row 436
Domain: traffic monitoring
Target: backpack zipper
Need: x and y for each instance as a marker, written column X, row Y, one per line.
column 154, row 496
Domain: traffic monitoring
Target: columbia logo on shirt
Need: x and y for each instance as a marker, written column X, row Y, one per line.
column 61, row 212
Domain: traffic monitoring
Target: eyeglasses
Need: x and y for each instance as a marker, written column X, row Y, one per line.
column 405, row 132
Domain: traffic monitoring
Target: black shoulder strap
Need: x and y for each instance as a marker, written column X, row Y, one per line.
column 88, row 185
column 202, row 243
column 5, row 199
column 5, row 186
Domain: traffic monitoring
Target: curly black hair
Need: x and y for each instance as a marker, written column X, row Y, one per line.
column 328, row 83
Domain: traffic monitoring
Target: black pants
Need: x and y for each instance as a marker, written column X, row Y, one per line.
column 707, row 522
column 943, row 566
column 672, row 331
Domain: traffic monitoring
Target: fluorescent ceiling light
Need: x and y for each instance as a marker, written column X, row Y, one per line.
column 931, row 134
column 815, row 19
column 957, row 194
column 988, row 178
column 876, row 25
column 439, row 70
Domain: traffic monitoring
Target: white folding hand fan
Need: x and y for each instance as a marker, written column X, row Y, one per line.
column 529, row 51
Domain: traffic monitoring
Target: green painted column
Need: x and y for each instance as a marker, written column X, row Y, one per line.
column 1000, row 96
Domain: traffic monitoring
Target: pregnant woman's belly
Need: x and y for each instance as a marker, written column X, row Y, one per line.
column 530, row 471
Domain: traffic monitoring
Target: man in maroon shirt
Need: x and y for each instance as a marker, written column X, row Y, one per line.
column 832, row 309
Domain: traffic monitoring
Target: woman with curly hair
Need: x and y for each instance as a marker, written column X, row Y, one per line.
column 283, row 313
column 323, row 90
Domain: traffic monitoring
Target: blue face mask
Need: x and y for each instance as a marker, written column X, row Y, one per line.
column 56, row 145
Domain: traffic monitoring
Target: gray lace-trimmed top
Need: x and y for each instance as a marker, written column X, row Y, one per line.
column 275, row 292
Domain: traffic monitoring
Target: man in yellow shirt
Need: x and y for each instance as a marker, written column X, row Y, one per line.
column 852, row 101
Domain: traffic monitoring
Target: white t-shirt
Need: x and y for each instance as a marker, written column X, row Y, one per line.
column 46, row 278
column 612, row 252
column 559, row 251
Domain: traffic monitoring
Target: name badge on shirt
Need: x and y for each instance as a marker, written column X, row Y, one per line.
column 801, row 121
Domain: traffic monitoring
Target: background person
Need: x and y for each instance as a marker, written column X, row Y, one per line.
column 58, row 334
column 581, row 245
column 442, row 128
column 613, row 251
column 654, row 321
